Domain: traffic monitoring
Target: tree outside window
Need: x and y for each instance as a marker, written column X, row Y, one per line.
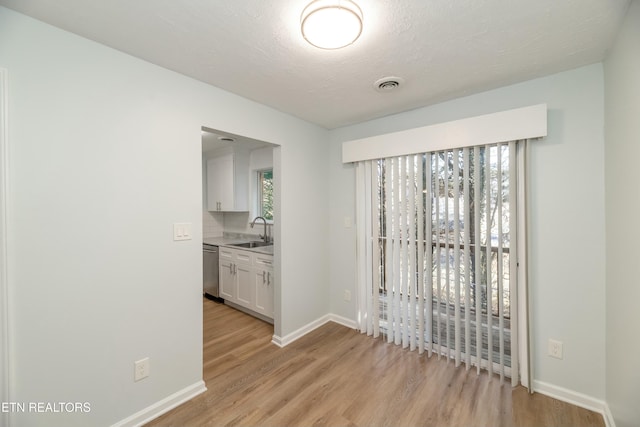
column 265, row 194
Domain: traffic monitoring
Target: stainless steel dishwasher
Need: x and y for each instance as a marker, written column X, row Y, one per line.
column 210, row 272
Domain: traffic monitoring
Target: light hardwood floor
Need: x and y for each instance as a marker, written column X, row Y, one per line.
column 335, row 376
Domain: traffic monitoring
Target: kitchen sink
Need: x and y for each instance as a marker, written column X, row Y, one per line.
column 255, row 244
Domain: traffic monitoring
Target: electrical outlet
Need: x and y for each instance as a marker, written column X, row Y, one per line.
column 555, row 349
column 141, row 369
column 347, row 295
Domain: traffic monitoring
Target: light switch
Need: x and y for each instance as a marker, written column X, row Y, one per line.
column 347, row 222
column 182, row 231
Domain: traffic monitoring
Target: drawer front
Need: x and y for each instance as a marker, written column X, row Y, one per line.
column 243, row 257
column 263, row 261
column 225, row 253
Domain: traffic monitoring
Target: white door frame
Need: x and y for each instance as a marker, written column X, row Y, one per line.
column 4, row 281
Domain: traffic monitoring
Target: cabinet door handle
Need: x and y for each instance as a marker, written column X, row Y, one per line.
column 268, row 278
column 263, row 279
column 235, row 269
column 230, row 268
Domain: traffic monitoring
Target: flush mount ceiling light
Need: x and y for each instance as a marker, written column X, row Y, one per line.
column 331, row 24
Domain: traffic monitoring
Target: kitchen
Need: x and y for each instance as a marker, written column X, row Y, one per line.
column 237, row 221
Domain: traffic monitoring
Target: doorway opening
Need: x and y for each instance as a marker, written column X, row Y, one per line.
column 240, row 216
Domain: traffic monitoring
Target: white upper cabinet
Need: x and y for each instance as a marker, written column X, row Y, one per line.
column 220, row 183
column 228, row 182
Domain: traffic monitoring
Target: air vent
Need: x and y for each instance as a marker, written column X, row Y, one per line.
column 388, row 84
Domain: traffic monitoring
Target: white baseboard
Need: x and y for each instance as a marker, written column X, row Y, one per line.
column 608, row 417
column 575, row 398
column 351, row 324
column 299, row 333
column 165, row 405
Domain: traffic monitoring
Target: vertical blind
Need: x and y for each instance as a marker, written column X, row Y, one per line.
column 438, row 261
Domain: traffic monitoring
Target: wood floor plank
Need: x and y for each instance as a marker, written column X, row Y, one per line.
column 335, row 376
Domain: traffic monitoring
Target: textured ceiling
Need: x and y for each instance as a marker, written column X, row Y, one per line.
column 443, row 49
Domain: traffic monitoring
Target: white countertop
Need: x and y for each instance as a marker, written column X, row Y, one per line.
column 228, row 241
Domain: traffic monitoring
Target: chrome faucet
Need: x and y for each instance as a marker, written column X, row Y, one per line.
column 265, row 237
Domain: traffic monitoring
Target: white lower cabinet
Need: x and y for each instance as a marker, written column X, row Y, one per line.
column 243, row 276
column 228, row 283
column 246, row 279
column 263, row 284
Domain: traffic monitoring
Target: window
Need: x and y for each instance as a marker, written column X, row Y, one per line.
column 441, row 233
column 265, row 194
column 430, row 275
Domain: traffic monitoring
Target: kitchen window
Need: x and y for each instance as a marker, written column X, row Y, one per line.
column 265, row 194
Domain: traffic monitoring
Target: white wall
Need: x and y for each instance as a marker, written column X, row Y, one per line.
column 105, row 156
column 307, row 206
column 622, row 95
column 567, row 266
column 261, row 158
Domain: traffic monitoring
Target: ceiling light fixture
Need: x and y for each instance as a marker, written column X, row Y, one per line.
column 331, row 24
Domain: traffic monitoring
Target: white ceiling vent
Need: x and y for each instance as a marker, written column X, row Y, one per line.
column 388, row 84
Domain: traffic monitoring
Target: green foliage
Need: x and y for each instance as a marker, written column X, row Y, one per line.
column 265, row 180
